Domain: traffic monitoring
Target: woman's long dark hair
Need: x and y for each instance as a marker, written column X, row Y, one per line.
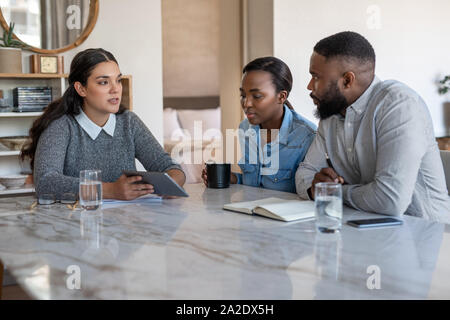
column 70, row 103
column 281, row 75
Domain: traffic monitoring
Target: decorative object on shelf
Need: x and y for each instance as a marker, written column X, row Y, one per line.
column 42, row 63
column 11, row 52
column 52, row 26
column 13, row 181
column 15, row 142
column 25, row 167
column 445, row 85
column 31, row 99
column 4, row 107
column 29, row 180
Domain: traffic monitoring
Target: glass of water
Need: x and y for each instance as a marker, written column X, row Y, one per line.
column 90, row 189
column 47, row 199
column 328, row 203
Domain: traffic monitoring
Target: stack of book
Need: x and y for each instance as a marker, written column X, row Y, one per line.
column 29, row 99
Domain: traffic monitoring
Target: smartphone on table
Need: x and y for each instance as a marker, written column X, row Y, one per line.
column 374, row 223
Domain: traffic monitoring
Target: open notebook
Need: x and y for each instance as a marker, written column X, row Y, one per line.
column 275, row 208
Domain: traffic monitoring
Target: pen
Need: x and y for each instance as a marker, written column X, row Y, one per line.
column 329, row 161
column 331, row 166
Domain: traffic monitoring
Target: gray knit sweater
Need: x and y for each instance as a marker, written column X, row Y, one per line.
column 64, row 149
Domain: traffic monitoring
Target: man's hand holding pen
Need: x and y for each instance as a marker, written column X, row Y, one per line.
column 326, row 175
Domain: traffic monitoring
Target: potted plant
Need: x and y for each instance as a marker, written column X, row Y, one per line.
column 444, row 88
column 445, row 85
column 11, row 52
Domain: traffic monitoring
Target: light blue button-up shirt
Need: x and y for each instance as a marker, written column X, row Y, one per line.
column 385, row 150
column 274, row 164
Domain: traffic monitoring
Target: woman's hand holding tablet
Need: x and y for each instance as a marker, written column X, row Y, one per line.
column 162, row 183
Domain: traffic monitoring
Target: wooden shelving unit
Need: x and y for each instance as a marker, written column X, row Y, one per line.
column 9, row 153
column 32, row 76
column 127, row 85
column 20, row 191
column 19, row 114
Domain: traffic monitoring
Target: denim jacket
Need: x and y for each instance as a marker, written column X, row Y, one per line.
column 274, row 165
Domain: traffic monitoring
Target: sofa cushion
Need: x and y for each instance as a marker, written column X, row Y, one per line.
column 171, row 125
column 210, row 121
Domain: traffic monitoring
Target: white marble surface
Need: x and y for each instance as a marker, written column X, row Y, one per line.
column 192, row 249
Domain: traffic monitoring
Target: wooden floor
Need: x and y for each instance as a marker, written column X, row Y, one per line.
column 14, row 293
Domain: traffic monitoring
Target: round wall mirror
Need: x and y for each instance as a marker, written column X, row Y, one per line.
column 50, row 26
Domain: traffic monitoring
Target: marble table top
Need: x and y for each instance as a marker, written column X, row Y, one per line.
column 192, row 249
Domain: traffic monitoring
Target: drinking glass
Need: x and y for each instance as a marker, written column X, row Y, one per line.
column 328, row 204
column 68, row 198
column 46, row 199
column 90, row 189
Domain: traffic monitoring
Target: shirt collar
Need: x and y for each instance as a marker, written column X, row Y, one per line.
column 94, row 130
column 361, row 103
column 285, row 126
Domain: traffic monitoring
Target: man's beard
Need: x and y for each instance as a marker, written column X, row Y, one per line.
column 332, row 103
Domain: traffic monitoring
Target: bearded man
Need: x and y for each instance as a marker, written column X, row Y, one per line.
column 378, row 136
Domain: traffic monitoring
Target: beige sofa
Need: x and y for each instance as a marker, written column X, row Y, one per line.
column 189, row 135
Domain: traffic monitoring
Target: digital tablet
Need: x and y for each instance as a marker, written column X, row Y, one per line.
column 161, row 181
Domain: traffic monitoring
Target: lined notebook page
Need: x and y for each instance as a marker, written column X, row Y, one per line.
column 248, row 206
column 288, row 210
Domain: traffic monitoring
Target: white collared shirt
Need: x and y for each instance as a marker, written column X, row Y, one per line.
column 94, row 130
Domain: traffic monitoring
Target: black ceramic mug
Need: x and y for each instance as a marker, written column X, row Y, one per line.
column 218, row 175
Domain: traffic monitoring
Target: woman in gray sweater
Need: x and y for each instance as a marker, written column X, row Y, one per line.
column 88, row 128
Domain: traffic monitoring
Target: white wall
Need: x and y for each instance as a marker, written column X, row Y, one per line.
column 410, row 38
column 131, row 30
